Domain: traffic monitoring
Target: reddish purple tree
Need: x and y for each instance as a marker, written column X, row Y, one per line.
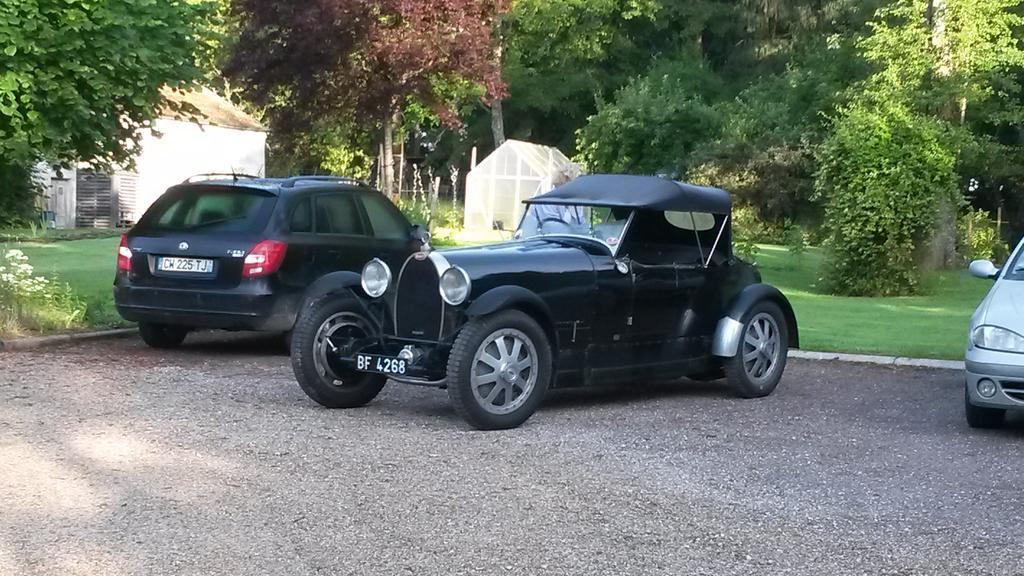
column 359, row 61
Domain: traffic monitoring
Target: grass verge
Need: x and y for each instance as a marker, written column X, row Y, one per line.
column 87, row 266
column 932, row 325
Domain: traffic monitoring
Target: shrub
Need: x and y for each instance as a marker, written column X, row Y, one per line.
column 745, row 249
column 446, row 220
column 652, row 123
column 795, row 240
column 18, row 192
column 34, row 303
column 748, row 225
column 881, row 172
column 977, row 239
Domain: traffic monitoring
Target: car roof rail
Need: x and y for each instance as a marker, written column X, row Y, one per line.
column 215, row 175
column 291, row 182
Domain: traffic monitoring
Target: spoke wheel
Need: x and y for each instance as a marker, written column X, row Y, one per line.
column 761, row 345
column 333, row 339
column 499, row 370
column 321, row 342
column 504, row 371
column 760, row 358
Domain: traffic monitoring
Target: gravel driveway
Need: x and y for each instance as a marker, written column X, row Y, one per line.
column 116, row 459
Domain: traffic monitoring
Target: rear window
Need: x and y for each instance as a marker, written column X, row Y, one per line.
column 208, row 208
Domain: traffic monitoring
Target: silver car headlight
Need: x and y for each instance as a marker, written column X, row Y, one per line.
column 996, row 338
column 376, row 278
column 454, row 286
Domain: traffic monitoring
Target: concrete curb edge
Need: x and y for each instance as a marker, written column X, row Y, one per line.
column 879, row 360
column 38, row 341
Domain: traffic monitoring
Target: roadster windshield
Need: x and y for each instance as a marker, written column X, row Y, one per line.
column 606, row 225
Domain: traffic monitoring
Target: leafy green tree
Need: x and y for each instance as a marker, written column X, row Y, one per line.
column 934, row 58
column 765, row 75
column 79, row 79
column 654, row 123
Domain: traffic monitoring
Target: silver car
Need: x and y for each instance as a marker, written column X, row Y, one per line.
column 995, row 345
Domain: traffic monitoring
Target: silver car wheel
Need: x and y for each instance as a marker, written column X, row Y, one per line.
column 504, row 371
column 335, row 333
column 761, row 346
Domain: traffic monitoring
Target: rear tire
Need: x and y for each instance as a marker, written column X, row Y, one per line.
column 499, row 370
column 981, row 417
column 162, row 336
column 760, row 360
column 324, row 326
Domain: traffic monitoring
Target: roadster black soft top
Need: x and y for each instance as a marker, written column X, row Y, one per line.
column 641, row 192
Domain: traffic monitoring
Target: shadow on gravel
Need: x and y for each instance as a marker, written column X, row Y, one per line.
column 630, row 393
column 236, row 343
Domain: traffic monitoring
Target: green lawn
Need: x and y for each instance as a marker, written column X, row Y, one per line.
column 55, row 235
column 933, row 325
column 87, row 265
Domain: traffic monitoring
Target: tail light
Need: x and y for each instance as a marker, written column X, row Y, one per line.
column 264, row 259
column 124, row 255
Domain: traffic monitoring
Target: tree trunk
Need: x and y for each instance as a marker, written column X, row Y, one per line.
column 389, row 154
column 401, row 163
column 497, row 123
column 497, row 114
column 942, row 253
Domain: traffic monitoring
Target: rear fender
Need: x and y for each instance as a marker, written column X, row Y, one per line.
column 729, row 331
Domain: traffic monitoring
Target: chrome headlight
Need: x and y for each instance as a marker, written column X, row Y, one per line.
column 376, row 278
column 996, row 338
column 454, row 286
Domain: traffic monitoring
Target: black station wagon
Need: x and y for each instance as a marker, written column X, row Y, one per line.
column 609, row 278
column 239, row 254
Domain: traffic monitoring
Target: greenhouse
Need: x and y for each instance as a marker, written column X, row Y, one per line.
column 497, row 186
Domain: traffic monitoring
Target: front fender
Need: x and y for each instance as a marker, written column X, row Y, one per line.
column 333, row 283
column 519, row 298
column 729, row 331
column 346, row 283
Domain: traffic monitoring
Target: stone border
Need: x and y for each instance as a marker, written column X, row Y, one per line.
column 40, row 341
column 879, row 360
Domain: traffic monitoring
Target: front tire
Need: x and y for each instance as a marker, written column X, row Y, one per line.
column 981, row 417
column 323, row 330
column 499, row 370
column 162, row 336
column 760, row 360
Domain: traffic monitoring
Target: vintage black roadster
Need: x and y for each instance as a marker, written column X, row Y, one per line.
column 609, row 278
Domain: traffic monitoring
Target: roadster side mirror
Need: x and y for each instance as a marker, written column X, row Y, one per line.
column 984, row 269
column 622, row 265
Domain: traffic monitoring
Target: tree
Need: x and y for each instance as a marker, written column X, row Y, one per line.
column 742, row 106
column 348, row 60
column 79, row 80
column 941, row 58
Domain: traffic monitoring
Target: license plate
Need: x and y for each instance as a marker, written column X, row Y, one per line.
column 379, row 364
column 189, row 265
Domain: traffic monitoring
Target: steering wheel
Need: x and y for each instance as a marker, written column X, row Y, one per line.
column 557, row 222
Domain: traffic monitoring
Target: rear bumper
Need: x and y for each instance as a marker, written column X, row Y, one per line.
column 236, row 309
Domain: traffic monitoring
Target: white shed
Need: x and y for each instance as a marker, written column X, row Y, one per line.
column 214, row 137
column 497, row 186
